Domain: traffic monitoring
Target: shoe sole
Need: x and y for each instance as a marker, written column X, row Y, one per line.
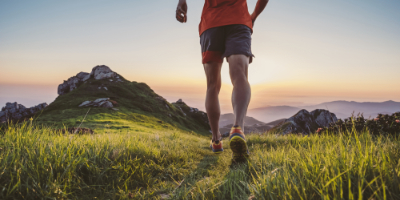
column 239, row 147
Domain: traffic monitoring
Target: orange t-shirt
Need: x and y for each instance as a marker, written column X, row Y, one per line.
column 224, row 12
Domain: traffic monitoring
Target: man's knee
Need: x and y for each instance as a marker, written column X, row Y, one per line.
column 214, row 86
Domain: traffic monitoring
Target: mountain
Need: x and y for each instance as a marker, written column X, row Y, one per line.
column 271, row 113
column 276, row 122
column 305, row 122
column 251, row 125
column 108, row 99
column 229, row 118
column 342, row 109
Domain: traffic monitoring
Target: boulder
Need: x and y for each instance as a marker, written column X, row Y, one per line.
column 98, row 72
column 102, row 72
column 101, row 102
column 306, row 122
column 69, row 85
column 16, row 112
column 107, row 104
column 85, row 103
column 83, row 76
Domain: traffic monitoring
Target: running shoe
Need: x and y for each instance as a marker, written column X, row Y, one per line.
column 216, row 146
column 238, row 145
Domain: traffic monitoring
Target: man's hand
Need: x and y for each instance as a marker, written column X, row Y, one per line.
column 259, row 8
column 181, row 11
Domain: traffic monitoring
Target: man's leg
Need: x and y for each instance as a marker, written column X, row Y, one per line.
column 238, row 68
column 213, row 74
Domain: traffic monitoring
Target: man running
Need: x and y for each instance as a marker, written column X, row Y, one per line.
column 225, row 32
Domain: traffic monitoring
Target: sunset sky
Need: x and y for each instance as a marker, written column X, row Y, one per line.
column 307, row 52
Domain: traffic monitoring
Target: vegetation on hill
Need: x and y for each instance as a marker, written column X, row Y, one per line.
column 137, row 104
column 155, row 163
column 382, row 124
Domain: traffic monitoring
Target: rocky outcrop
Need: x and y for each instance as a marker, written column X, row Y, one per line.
column 72, row 83
column 102, row 102
column 306, row 122
column 188, row 111
column 16, row 112
column 102, row 72
column 99, row 72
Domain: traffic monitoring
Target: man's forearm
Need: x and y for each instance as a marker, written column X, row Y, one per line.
column 259, row 8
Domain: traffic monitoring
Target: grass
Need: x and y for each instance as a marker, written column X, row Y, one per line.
column 142, row 162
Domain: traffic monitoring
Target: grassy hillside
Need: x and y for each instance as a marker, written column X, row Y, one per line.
column 137, row 105
column 155, row 163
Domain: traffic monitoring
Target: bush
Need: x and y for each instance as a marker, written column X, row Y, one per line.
column 383, row 124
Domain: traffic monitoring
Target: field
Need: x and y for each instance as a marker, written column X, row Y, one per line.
column 139, row 162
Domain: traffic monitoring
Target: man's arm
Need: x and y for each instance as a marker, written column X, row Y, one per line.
column 259, row 8
column 181, row 11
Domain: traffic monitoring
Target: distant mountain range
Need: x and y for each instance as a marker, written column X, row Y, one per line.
column 342, row 109
column 250, row 124
column 229, row 118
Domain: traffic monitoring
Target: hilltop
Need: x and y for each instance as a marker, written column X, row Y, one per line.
column 130, row 105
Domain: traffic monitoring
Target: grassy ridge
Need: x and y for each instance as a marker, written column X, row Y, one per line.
column 137, row 103
column 152, row 163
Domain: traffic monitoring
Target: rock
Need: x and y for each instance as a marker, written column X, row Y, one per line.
column 100, row 100
column 84, row 76
column 115, row 109
column 194, row 113
column 2, row 113
column 85, row 103
column 16, row 112
column 16, row 116
column 306, row 122
column 107, row 104
column 111, row 80
column 102, row 72
column 98, row 72
column 42, row 106
column 20, row 106
column 105, row 88
column 12, row 110
column 10, row 106
column 71, row 84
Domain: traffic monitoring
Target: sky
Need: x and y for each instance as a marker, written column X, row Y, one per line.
column 306, row 52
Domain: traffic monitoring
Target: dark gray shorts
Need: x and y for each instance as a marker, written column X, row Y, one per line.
column 224, row 41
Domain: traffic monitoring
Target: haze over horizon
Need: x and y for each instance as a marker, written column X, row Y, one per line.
column 306, row 52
